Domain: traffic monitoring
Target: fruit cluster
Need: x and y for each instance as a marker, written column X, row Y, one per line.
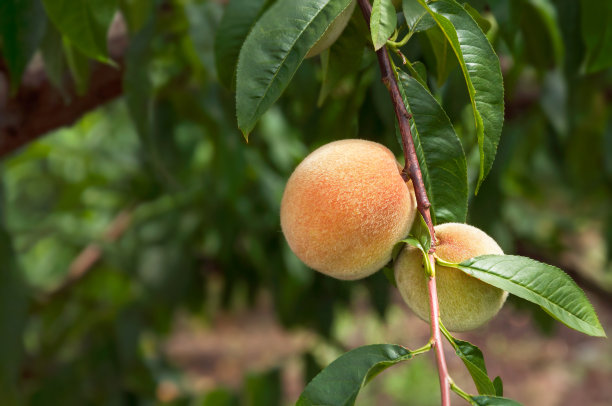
column 346, row 206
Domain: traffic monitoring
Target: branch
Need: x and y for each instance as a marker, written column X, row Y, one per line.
column 413, row 171
column 90, row 255
column 39, row 107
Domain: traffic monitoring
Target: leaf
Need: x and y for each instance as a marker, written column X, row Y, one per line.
column 597, row 34
column 53, row 54
column 13, row 313
column 382, row 22
column 440, row 153
column 542, row 284
column 420, row 231
column 482, row 73
column 340, row 382
column 439, row 49
column 22, row 26
column 474, row 362
column 84, row 22
column 416, row 17
column 78, row 65
column 541, row 33
column 263, row 388
column 138, row 87
column 136, row 12
column 273, row 51
column 343, row 58
column 483, row 23
column 413, row 242
column 238, row 19
column 418, row 71
column 554, row 100
column 390, row 275
column 494, row 401
column 499, row 386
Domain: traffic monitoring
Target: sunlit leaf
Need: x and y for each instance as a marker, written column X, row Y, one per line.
column 540, row 283
column 382, row 22
column 482, row 73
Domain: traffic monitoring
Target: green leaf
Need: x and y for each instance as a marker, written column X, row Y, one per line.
column 22, row 25
column 382, row 22
column 541, row 33
column 136, row 12
column 542, row 284
column 483, row 23
column 416, row 18
column 53, row 54
column 439, row 49
column 274, row 50
column 440, row 153
column 84, row 22
column 78, row 65
column 474, row 362
column 390, row 275
column 220, row 397
column 263, row 388
column 238, row 19
column 499, row 386
column 420, row 231
column 340, row 382
column 137, row 85
column 494, row 401
column 554, row 100
column 13, row 314
column 482, row 73
column 597, row 34
column 343, row 58
column 418, row 71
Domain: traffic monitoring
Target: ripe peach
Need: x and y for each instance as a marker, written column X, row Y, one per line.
column 344, row 208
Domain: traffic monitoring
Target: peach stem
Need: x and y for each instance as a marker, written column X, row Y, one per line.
column 412, row 170
column 436, row 337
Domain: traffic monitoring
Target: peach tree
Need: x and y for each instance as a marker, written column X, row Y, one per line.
column 275, row 44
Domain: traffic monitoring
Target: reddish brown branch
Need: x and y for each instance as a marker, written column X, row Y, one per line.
column 413, row 171
column 91, row 254
column 39, row 107
column 411, row 167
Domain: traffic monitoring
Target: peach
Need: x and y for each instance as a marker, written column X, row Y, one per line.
column 333, row 31
column 465, row 302
column 344, row 208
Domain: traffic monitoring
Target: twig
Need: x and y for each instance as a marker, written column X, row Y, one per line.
column 412, row 171
column 91, row 254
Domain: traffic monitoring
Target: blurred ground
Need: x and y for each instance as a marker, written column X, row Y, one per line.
column 565, row 369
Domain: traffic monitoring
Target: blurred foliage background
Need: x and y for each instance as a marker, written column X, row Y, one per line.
column 145, row 238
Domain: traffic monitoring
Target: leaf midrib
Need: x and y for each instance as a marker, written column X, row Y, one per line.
column 596, row 326
column 277, row 69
